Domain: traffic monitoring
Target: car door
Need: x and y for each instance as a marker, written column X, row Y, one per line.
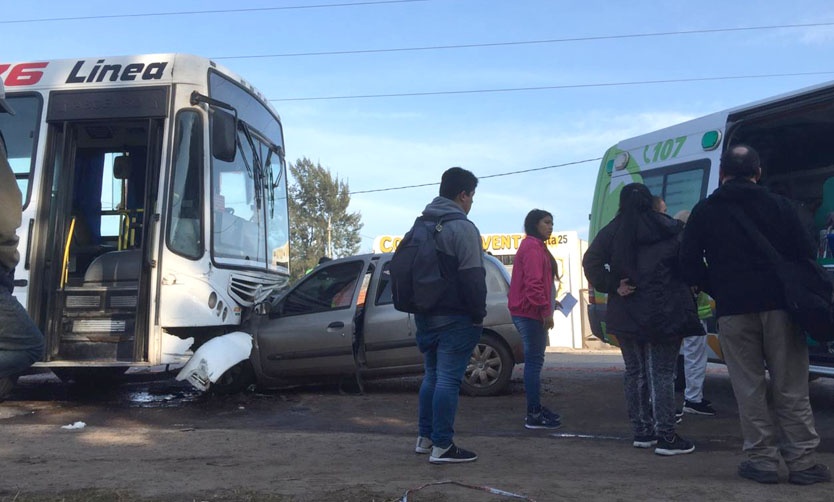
column 389, row 335
column 311, row 329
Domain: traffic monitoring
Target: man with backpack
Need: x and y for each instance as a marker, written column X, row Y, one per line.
column 449, row 324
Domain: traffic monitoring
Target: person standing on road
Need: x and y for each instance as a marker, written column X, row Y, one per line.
column 21, row 342
column 694, row 352
column 449, row 333
column 531, row 302
column 634, row 259
column 719, row 255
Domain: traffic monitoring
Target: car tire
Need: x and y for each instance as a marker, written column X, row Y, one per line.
column 235, row 379
column 490, row 367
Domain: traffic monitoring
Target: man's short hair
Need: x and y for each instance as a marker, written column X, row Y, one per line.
column 456, row 180
column 740, row 161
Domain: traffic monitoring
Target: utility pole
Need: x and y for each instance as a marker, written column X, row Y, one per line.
column 329, row 239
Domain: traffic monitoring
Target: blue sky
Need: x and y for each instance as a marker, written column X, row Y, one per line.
column 383, row 142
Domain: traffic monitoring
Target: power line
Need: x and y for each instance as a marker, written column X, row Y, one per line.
column 553, row 87
column 480, row 177
column 529, row 42
column 220, row 11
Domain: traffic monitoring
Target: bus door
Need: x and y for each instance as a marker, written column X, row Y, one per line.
column 96, row 248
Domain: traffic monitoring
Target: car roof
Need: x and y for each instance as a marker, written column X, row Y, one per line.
column 385, row 257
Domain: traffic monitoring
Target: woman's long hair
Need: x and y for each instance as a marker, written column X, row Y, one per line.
column 531, row 222
column 635, row 201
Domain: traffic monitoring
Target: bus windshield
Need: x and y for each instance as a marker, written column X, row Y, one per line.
column 250, row 223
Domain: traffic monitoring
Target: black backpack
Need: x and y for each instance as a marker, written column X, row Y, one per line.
column 417, row 281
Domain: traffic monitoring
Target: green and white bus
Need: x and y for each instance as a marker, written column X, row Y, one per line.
column 794, row 135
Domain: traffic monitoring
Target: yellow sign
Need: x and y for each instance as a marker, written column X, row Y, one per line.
column 497, row 244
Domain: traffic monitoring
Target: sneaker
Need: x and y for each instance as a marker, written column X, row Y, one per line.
column 644, row 441
column 702, row 408
column 747, row 470
column 673, row 445
column 816, row 474
column 451, row 455
column 423, row 445
column 542, row 420
column 553, row 416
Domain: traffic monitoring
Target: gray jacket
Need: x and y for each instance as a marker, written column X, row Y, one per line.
column 462, row 257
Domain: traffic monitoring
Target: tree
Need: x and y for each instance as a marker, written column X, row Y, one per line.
column 319, row 222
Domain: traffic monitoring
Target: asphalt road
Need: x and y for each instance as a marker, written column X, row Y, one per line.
column 157, row 439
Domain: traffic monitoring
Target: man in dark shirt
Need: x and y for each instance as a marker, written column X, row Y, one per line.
column 719, row 255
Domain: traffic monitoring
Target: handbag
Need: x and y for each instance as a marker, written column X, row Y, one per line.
column 807, row 287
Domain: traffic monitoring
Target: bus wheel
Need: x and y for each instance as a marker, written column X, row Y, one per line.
column 234, row 380
column 91, row 376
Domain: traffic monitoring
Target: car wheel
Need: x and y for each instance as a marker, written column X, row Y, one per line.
column 235, row 379
column 490, row 367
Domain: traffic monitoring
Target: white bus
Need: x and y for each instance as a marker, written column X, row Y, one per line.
column 794, row 135
column 154, row 206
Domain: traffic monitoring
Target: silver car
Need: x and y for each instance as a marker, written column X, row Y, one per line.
column 339, row 321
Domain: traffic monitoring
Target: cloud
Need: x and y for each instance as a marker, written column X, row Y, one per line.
column 817, row 35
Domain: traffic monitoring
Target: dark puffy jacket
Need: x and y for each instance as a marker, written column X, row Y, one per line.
column 740, row 276
column 662, row 307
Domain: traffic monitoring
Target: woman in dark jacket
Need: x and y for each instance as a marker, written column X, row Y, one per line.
column 635, row 260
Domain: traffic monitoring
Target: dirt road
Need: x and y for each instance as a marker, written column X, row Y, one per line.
column 165, row 442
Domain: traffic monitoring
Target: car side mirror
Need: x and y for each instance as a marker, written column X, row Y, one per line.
column 276, row 309
column 263, row 308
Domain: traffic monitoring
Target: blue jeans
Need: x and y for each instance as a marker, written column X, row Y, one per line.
column 650, row 385
column 535, row 341
column 21, row 342
column 446, row 343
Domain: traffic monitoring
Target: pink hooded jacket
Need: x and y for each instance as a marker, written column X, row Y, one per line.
column 531, row 287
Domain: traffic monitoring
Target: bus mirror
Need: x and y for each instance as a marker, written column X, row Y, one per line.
column 223, row 135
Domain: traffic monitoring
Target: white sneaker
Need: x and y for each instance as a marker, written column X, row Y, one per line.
column 423, row 445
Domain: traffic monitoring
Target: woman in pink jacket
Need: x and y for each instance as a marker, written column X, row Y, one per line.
column 531, row 302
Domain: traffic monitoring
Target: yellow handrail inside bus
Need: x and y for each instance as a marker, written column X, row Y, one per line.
column 65, row 265
column 127, row 227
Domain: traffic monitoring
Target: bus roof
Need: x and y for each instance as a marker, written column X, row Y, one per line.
column 719, row 118
column 114, row 71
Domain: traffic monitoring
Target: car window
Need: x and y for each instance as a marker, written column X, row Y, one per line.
column 383, row 292
column 495, row 281
column 328, row 288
